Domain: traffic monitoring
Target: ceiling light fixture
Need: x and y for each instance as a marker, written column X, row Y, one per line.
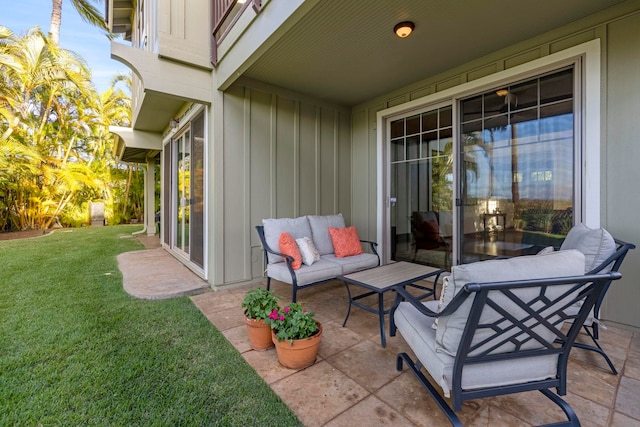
column 404, row 29
column 502, row 92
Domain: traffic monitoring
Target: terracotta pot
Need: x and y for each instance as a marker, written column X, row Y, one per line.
column 259, row 334
column 299, row 354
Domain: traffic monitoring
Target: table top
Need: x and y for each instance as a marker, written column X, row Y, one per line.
column 383, row 278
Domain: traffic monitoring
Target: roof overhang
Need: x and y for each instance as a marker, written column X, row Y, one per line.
column 118, row 16
column 167, row 85
column 346, row 52
column 135, row 146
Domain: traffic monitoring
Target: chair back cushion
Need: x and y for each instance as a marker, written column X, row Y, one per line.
column 273, row 227
column 557, row 264
column 595, row 243
column 320, row 231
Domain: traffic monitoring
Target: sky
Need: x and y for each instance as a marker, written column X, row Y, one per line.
column 76, row 35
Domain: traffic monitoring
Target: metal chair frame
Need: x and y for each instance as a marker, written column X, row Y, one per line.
column 615, row 261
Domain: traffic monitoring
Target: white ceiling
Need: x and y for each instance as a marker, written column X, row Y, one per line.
column 345, row 51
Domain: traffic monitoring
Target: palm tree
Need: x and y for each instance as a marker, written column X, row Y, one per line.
column 86, row 10
column 47, row 105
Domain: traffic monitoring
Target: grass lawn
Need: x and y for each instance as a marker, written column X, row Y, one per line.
column 75, row 349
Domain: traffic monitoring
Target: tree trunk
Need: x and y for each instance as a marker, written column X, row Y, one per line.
column 56, row 19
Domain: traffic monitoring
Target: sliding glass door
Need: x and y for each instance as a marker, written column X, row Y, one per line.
column 183, row 194
column 501, row 162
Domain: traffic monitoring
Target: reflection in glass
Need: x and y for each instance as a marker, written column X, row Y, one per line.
column 517, row 167
column 422, row 188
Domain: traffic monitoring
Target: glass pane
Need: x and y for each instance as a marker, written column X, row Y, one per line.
column 167, row 189
column 397, row 150
column 413, row 125
column 445, row 117
column 472, row 109
column 422, row 193
column 413, row 148
column 178, row 193
column 494, row 104
column 197, row 191
column 430, row 121
column 556, row 87
column 525, row 95
column 397, row 128
column 185, row 185
column 517, row 170
column 430, row 144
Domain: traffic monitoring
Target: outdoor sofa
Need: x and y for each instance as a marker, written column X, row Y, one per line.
column 327, row 263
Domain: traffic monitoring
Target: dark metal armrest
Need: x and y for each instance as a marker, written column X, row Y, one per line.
column 267, row 248
column 403, row 295
column 288, row 259
column 374, row 248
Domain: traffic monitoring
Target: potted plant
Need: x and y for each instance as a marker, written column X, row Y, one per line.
column 296, row 335
column 258, row 304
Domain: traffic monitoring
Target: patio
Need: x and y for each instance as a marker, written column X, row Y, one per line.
column 355, row 378
column 354, row 381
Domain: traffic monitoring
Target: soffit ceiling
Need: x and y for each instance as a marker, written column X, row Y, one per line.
column 346, row 51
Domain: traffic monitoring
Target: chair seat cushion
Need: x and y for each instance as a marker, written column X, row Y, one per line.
column 318, row 271
column 417, row 331
column 353, row 263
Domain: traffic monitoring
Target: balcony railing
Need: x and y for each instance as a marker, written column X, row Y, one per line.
column 224, row 14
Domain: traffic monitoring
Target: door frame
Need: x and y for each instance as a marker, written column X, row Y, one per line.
column 586, row 60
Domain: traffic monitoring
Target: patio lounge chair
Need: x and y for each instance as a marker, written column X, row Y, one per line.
column 500, row 330
column 603, row 254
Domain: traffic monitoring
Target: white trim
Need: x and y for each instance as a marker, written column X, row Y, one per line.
column 587, row 55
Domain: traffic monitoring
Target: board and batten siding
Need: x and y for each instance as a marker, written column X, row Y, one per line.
column 284, row 156
column 618, row 29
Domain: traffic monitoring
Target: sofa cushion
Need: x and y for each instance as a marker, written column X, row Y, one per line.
column 353, row 263
column 288, row 246
column 320, row 270
column 555, row 264
column 273, row 227
column 595, row 243
column 345, row 241
column 320, row 231
column 417, row 330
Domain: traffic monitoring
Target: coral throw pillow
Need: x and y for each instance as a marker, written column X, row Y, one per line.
column 345, row 241
column 288, row 246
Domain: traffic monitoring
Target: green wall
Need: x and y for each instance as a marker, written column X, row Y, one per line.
column 618, row 28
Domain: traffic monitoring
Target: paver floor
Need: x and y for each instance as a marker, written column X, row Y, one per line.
column 354, row 381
